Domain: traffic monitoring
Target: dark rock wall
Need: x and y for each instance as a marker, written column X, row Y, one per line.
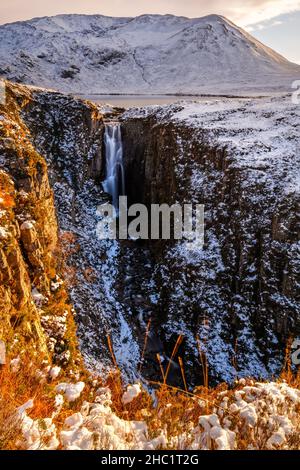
column 241, row 294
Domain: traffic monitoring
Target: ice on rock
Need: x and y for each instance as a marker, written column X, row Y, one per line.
column 273, row 411
column 233, row 408
column 58, row 401
column 75, row 420
column 204, row 422
column 27, row 406
column 15, row 364
column 249, row 415
column 223, row 438
column 214, row 420
column 55, row 285
column 37, row 434
column 293, row 394
column 3, row 233
column 77, row 439
column 103, row 396
column 38, row 298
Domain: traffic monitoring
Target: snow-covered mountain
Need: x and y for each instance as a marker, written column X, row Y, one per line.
column 146, row 54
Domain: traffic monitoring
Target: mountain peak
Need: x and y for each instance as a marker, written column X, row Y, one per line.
column 144, row 54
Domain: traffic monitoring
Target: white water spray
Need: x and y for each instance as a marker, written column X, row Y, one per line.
column 114, row 183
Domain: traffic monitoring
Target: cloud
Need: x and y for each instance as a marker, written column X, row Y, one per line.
column 265, row 25
column 243, row 12
column 257, row 11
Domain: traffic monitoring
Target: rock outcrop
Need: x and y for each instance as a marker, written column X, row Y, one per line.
column 35, row 312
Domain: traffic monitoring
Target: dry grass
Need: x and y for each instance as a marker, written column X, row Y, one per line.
column 10, row 426
column 17, row 387
column 6, row 200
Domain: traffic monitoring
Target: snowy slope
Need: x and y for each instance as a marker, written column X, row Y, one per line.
column 146, row 54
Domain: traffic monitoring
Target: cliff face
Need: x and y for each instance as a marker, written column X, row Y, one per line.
column 236, row 300
column 149, row 54
column 34, row 302
column 18, row 311
column 238, row 297
column 149, row 161
column 69, row 133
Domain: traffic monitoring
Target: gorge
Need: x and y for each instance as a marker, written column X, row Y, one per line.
column 237, row 299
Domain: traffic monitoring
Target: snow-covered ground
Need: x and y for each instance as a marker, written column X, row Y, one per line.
column 146, row 54
column 255, row 416
column 260, row 131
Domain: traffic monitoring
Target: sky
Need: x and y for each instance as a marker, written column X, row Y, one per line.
column 274, row 22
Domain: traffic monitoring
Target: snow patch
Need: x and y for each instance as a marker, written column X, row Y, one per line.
column 71, row 391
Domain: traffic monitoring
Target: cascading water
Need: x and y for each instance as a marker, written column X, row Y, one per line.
column 114, row 183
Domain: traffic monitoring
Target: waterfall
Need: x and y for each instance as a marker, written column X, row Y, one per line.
column 114, row 183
